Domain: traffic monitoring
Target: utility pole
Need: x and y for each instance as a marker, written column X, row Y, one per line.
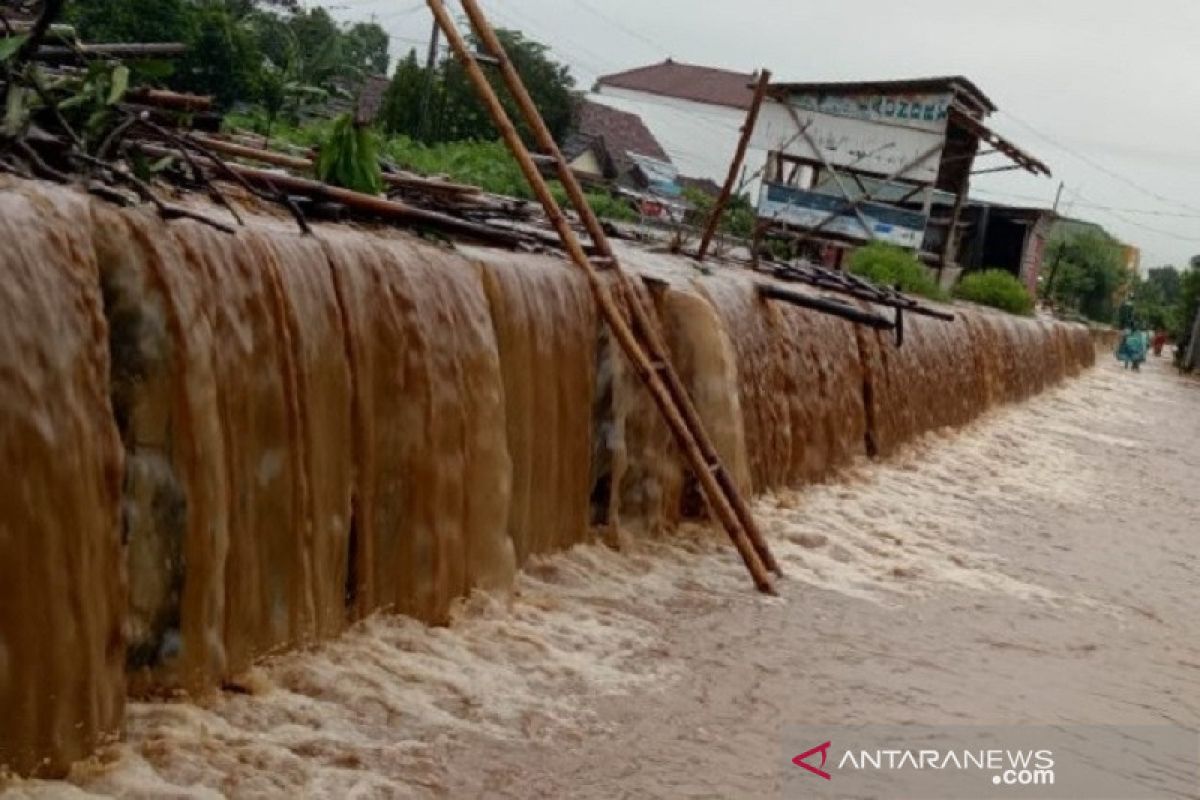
column 427, row 90
column 1192, row 360
column 1062, row 245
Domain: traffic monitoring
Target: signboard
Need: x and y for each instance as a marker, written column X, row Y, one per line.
column 881, row 134
column 928, row 112
column 804, row 209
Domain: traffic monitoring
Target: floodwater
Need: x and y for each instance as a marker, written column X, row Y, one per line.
column 1036, row 567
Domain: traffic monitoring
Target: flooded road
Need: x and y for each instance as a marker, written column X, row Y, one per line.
column 1040, row 566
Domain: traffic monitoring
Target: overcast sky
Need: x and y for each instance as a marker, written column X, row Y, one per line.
column 1105, row 91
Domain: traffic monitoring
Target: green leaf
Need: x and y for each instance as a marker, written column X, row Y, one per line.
column 141, row 167
column 120, row 83
column 97, row 121
column 154, row 69
column 163, row 163
column 16, row 111
column 10, row 46
column 72, row 102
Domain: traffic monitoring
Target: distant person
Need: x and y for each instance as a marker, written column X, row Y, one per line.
column 1131, row 351
column 1158, row 343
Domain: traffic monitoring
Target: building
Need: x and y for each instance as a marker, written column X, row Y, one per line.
column 878, row 161
column 615, row 147
column 1133, row 258
column 1011, row 238
column 695, row 112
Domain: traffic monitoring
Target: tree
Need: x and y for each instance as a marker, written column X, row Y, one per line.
column 401, row 112
column 1087, row 272
column 242, row 50
column 223, row 58
column 1155, row 299
column 366, row 50
column 457, row 111
column 133, row 20
column 318, row 42
column 1186, row 308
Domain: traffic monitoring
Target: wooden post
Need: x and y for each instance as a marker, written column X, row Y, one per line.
column 426, row 124
column 951, row 247
column 1192, row 360
column 735, row 166
column 652, row 372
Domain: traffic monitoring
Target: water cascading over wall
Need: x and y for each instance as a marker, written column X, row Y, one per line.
column 223, row 446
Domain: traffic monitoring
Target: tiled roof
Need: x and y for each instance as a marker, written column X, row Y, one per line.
column 622, row 133
column 709, row 85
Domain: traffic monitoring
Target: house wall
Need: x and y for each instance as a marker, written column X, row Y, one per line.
column 700, row 138
column 1035, row 254
column 587, row 162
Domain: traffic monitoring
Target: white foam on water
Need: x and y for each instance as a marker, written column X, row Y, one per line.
column 377, row 712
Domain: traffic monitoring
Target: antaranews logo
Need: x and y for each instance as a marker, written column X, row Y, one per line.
column 1006, row 767
column 802, row 760
column 1003, row 762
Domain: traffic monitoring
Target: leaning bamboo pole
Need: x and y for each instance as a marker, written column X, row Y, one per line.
column 651, row 372
column 735, row 166
column 642, row 318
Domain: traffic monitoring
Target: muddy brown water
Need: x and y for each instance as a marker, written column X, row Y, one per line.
column 1039, row 566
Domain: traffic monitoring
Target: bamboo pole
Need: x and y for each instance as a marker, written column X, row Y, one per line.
column 735, row 166
column 379, row 206
column 642, row 318
column 649, row 371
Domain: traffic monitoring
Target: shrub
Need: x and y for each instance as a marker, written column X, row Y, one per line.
column 350, row 158
column 894, row 267
column 487, row 165
column 996, row 288
column 737, row 220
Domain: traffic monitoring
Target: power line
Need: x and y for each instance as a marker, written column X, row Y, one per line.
column 620, row 26
column 404, row 12
column 1098, row 166
column 1078, row 202
column 1158, row 231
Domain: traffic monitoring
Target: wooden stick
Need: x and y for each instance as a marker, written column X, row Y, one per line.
column 869, row 196
column 837, row 177
column 649, row 371
column 724, row 499
column 305, row 165
column 175, row 101
column 735, row 166
column 59, row 52
column 370, row 204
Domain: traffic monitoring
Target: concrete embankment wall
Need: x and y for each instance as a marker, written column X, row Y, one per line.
column 223, row 446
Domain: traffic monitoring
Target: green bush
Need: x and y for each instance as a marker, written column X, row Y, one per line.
column 487, row 165
column 350, row 158
column 996, row 288
column 894, row 267
column 737, row 220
